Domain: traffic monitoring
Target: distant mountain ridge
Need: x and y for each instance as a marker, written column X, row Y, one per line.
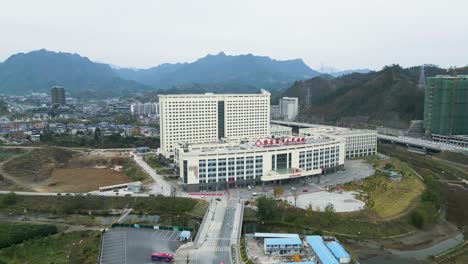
column 222, row 69
column 38, row 71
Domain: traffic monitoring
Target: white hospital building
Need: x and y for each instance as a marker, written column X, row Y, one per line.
column 219, row 165
column 197, row 118
column 358, row 142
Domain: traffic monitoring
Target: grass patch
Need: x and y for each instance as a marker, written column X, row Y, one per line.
column 243, row 252
column 385, row 197
column 80, row 247
column 100, row 205
column 285, row 218
column 9, row 153
column 135, row 172
column 14, row 233
column 155, row 163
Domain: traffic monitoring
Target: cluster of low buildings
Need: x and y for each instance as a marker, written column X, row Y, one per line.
column 24, row 132
column 323, row 249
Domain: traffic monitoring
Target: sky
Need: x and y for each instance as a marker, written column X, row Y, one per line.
column 345, row 34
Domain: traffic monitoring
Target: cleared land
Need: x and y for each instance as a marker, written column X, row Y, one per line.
column 54, row 169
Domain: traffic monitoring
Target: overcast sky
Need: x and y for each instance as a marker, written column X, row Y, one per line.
column 143, row 33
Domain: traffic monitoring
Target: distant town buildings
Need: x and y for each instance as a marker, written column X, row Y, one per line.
column 287, row 109
column 446, row 106
column 198, row 118
column 145, row 109
column 57, row 95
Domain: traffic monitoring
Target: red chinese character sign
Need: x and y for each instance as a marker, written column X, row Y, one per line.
column 277, row 142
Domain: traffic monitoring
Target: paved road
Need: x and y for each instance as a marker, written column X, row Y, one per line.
column 134, row 246
column 160, row 185
column 214, row 239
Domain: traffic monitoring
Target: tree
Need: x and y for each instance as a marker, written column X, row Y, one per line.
column 417, row 219
column 97, row 134
column 266, row 208
column 328, row 216
column 9, row 199
column 277, row 191
column 295, row 195
column 309, row 212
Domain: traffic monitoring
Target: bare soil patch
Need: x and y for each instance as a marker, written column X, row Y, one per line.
column 55, row 169
column 83, row 179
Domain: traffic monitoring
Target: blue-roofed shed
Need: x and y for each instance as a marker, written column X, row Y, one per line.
column 185, row 235
column 282, row 246
column 339, row 252
column 322, row 251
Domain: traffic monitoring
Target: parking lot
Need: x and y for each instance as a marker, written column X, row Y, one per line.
column 134, row 246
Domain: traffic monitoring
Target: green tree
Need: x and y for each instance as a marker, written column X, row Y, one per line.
column 97, row 134
column 309, row 212
column 328, row 216
column 417, row 219
column 278, row 191
column 266, row 208
column 9, row 199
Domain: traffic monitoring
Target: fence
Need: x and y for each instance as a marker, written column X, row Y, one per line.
column 171, row 228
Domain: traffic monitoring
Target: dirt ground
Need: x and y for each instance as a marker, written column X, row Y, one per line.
column 61, row 170
column 83, row 179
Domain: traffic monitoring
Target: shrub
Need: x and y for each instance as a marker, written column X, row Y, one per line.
column 14, row 233
column 9, row 199
column 417, row 218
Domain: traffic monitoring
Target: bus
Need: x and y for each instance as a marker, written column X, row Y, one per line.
column 162, row 257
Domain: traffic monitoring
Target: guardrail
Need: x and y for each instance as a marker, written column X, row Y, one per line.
column 98, row 258
column 171, row 228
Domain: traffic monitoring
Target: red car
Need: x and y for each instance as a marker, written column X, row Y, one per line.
column 305, row 190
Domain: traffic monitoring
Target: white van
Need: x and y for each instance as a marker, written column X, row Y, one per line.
column 254, row 194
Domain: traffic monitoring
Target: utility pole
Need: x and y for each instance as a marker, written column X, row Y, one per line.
column 422, row 80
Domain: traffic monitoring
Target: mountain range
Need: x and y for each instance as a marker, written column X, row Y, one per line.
column 38, row 71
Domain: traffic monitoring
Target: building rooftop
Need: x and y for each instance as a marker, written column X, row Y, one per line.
column 255, row 145
column 337, row 250
column 449, row 77
column 275, row 235
column 322, row 252
column 282, row 241
column 262, row 93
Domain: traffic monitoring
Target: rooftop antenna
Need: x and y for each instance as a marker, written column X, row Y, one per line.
column 422, row 79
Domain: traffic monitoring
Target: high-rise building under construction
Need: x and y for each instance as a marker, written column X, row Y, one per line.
column 446, row 105
column 57, row 95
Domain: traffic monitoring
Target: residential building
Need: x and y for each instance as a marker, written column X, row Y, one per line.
column 210, row 166
column 289, row 107
column 358, row 142
column 57, row 95
column 197, row 118
column 446, row 105
column 145, row 109
column 275, row 111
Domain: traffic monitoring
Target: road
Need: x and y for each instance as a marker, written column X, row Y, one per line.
column 215, row 236
column 160, row 185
